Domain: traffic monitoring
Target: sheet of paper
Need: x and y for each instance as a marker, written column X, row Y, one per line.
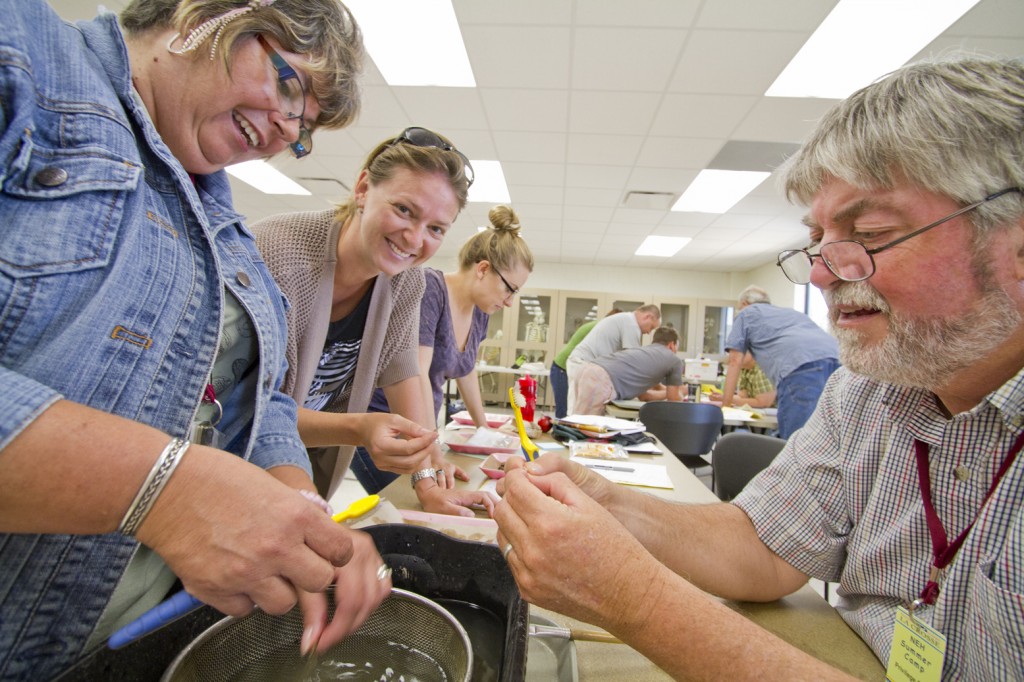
column 644, row 449
column 603, row 426
column 737, row 414
column 613, row 423
column 629, row 472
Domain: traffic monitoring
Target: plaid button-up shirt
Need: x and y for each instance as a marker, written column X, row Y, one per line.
column 754, row 382
column 842, row 503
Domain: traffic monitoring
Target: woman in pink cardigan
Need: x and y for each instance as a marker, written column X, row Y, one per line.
column 349, row 276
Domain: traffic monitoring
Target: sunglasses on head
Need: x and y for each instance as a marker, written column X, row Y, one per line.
column 421, row 137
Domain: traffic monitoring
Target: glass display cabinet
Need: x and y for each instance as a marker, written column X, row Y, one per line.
column 716, row 322
column 678, row 314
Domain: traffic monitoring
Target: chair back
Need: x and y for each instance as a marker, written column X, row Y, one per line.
column 688, row 430
column 738, row 457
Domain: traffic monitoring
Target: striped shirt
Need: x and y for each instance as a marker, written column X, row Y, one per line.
column 842, row 503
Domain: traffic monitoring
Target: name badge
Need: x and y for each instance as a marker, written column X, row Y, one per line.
column 918, row 651
column 205, row 433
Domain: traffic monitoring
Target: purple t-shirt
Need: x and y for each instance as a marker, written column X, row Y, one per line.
column 436, row 330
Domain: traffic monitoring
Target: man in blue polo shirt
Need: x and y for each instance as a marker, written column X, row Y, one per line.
column 796, row 354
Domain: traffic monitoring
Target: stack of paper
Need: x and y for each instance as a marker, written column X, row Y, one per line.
column 602, row 426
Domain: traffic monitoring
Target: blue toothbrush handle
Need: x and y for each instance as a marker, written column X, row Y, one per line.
column 171, row 608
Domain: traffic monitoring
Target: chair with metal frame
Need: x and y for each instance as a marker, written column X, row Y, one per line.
column 687, row 430
column 739, row 456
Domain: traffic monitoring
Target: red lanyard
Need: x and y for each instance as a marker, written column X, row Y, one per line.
column 942, row 549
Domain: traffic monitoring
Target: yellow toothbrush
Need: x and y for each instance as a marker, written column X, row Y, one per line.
column 529, row 447
column 360, row 507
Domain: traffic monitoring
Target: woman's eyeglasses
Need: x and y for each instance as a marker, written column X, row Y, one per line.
column 421, row 137
column 293, row 99
column 850, row 260
column 512, row 291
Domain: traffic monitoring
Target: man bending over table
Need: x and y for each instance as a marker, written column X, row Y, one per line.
column 652, row 372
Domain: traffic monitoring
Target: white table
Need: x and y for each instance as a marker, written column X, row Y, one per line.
column 731, row 416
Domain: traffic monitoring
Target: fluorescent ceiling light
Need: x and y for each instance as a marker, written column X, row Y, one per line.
column 716, row 191
column 266, row 178
column 489, row 183
column 414, row 42
column 662, row 246
column 862, row 40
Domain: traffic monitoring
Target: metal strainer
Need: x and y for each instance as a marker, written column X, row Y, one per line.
column 408, row 636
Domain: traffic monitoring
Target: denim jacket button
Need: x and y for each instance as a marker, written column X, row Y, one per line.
column 242, row 278
column 52, row 176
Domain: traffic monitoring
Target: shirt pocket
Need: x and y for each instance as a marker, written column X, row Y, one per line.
column 998, row 620
column 62, row 208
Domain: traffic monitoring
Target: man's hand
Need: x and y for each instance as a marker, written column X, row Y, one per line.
column 593, row 485
column 568, row 553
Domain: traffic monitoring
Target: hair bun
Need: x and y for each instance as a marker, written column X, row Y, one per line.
column 503, row 218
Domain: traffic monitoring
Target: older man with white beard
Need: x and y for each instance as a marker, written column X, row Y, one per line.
column 905, row 485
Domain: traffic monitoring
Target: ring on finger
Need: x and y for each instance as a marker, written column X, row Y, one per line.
column 505, row 552
column 384, row 572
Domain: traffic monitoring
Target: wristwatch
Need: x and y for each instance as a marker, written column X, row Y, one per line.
column 422, row 474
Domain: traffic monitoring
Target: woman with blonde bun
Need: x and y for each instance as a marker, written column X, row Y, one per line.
column 494, row 265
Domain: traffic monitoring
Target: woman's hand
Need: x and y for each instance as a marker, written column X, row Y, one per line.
column 395, row 443
column 238, row 538
column 451, row 471
column 359, row 587
column 454, row 501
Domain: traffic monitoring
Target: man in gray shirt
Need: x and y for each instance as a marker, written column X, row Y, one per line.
column 615, row 332
column 651, row 372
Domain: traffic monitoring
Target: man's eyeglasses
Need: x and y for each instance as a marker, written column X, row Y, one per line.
column 850, row 260
column 421, row 137
column 512, row 291
column 293, row 99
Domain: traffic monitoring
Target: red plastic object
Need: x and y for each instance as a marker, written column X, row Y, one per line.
column 528, row 389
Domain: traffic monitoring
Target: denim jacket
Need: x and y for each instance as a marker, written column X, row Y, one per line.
column 113, row 266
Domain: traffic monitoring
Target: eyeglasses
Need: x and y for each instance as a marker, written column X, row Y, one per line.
column 512, row 291
column 850, row 260
column 421, row 137
column 293, row 99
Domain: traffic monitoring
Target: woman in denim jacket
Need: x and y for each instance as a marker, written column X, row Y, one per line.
column 129, row 290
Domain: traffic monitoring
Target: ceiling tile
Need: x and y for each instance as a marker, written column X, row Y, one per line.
column 526, row 110
column 584, row 100
column 689, row 115
column 624, row 59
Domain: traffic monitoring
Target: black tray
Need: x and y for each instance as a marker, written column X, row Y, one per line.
column 423, row 560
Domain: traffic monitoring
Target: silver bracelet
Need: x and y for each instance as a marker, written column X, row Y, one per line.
column 153, row 486
column 422, row 474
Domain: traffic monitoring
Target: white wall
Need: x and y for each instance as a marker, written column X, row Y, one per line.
column 654, row 281
column 770, row 278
